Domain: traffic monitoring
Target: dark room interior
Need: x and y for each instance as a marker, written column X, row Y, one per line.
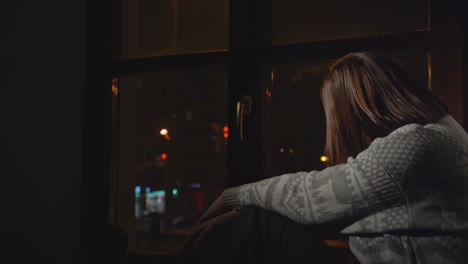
column 124, row 120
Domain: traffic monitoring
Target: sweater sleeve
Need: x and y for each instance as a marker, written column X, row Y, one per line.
column 368, row 183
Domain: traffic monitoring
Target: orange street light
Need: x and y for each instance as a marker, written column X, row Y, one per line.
column 165, row 133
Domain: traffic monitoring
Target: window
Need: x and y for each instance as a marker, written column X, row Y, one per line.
column 183, row 72
column 172, row 152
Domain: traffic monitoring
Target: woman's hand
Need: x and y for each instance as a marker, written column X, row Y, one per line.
column 216, row 212
column 205, row 227
column 215, row 209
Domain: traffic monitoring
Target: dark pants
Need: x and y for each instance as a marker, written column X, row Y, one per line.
column 260, row 236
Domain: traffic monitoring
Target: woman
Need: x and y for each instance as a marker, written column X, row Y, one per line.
column 396, row 184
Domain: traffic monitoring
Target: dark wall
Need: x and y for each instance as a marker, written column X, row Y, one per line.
column 42, row 80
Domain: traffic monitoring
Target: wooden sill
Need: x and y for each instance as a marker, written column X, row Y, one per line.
column 338, row 243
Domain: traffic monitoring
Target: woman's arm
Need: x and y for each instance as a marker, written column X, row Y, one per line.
column 366, row 184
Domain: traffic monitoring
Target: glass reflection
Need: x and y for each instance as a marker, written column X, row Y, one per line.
column 152, row 28
column 172, row 153
column 297, row 117
column 298, row 21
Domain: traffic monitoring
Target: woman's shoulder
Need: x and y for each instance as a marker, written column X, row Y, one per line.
column 414, row 139
column 403, row 135
column 408, row 133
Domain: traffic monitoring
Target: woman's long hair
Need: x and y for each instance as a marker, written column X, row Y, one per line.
column 365, row 96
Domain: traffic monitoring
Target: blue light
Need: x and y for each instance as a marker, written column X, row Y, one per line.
column 147, row 189
column 156, row 193
column 137, row 189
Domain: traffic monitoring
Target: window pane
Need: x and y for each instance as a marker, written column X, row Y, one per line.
column 165, row 27
column 297, row 117
column 297, row 21
column 172, row 153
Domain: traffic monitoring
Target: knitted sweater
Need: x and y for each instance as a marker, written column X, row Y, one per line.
column 404, row 199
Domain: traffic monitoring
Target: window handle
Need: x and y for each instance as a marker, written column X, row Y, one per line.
column 244, row 108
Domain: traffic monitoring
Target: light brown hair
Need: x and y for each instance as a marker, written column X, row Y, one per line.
column 365, row 96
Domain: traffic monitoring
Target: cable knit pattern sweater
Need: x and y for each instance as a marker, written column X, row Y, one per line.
column 404, row 199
